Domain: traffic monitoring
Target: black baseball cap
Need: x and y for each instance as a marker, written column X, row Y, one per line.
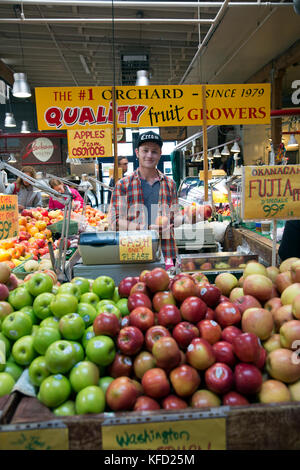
column 149, row 136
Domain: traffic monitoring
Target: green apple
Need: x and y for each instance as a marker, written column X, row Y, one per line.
column 70, row 288
column 6, row 383
column 63, row 304
column 14, row 370
column 41, row 305
column 55, row 289
column 6, row 342
column 82, row 283
column 16, row 325
column 39, row 283
column 35, row 329
column 23, row 351
column 79, row 351
column 20, row 297
column 29, row 310
column 66, row 409
column 5, row 309
column 54, row 390
column 90, row 400
column 87, row 335
column 122, row 305
column 90, row 298
column 109, row 308
column 101, row 350
column 51, row 322
column 87, row 312
column 83, row 374
column 60, row 356
column 38, row 371
column 105, row 302
column 104, row 383
column 116, row 296
column 104, row 287
column 71, row 326
column 44, row 337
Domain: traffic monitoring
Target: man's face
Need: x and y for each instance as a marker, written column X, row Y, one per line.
column 148, row 155
column 124, row 165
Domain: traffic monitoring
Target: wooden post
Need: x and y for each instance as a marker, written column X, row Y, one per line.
column 115, row 125
column 274, row 243
column 205, row 159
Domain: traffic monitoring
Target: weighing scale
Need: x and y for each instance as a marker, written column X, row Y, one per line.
column 118, row 254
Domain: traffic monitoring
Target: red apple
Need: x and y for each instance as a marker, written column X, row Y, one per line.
column 223, row 298
column 153, row 334
column 247, row 378
column 230, row 332
column 193, row 309
column 184, row 332
column 283, row 280
column 144, row 403
column 166, row 353
column 254, row 267
column 259, row 286
column 210, row 330
column 210, row 294
column 289, row 332
column 290, row 293
column 155, row 383
column 236, row 293
column 282, row 315
column 205, row 399
column 169, row 316
column 185, row 380
column 200, row 277
column 142, row 317
column 106, row 324
column 178, row 276
column 262, row 358
column 141, row 288
column 227, row 314
column 138, row 300
column 272, row 272
column 126, row 285
column 273, row 304
column 210, row 314
column 258, row 321
column 234, row 399
column 124, row 321
column 284, row 365
column 143, row 275
column 121, row 394
column 130, row 340
column 224, row 353
column 157, row 280
column 219, row 378
column 226, row 282
column 296, row 307
column 143, row 362
column 247, row 347
column 160, row 299
column 121, row 366
column 183, row 288
column 287, row 264
column 295, row 271
column 200, row 354
column 172, row 402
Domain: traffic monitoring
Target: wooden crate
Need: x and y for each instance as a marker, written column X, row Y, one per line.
column 8, row 405
column 254, row 427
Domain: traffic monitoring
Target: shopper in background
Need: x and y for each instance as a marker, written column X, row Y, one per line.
column 85, row 184
column 145, row 188
column 123, row 164
column 28, row 197
column 290, row 244
column 77, row 200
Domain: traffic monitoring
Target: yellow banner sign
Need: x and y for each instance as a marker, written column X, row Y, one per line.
column 9, row 216
column 271, row 192
column 89, row 143
column 35, row 439
column 152, row 106
column 135, row 247
column 198, row 434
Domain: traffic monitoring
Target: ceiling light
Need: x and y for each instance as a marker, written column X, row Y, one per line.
column 217, row 154
column 292, row 143
column 21, row 88
column 84, row 64
column 25, row 127
column 235, row 148
column 142, row 78
column 225, row 150
column 9, row 120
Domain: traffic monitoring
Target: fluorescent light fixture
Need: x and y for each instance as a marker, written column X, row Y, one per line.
column 292, row 143
column 142, row 78
column 21, row 88
column 9, row 120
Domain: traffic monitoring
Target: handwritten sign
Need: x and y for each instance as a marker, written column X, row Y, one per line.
column 152, row 106
column 271, row 192
column 9, row 216
column 202, row 434
column 135, row 247
column 34, row 439
column 89, row 143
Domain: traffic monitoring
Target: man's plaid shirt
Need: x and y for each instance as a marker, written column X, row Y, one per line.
column 127, row 201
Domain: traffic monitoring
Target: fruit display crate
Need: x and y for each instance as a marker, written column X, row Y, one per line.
column 247, row 427
column 57, row 227
column 8, row 404
column 19, row 270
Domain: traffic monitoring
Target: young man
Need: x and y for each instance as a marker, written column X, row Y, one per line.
column 123, row 164
column 139, row 198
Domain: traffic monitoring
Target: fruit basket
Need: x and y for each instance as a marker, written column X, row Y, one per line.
column 19, row 270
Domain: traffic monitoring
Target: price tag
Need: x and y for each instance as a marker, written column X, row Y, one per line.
column 37, row 436
column 135, row 246
column 9, row 225
column 201, row 175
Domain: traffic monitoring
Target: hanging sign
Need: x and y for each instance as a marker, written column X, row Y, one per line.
column 9, row 216
column 271, row 192
column 40, row 150
column 152, row 106
column 89, row 143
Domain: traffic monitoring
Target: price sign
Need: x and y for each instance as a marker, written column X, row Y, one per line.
column 9, row 225
column 89, row 143
column 135, row 246
column 37, row 436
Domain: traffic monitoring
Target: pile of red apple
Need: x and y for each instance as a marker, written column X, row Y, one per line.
column 156, row 343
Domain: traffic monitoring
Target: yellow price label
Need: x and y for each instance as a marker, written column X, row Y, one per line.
column 135, row 246
column 9, row 216
column 34, row 439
